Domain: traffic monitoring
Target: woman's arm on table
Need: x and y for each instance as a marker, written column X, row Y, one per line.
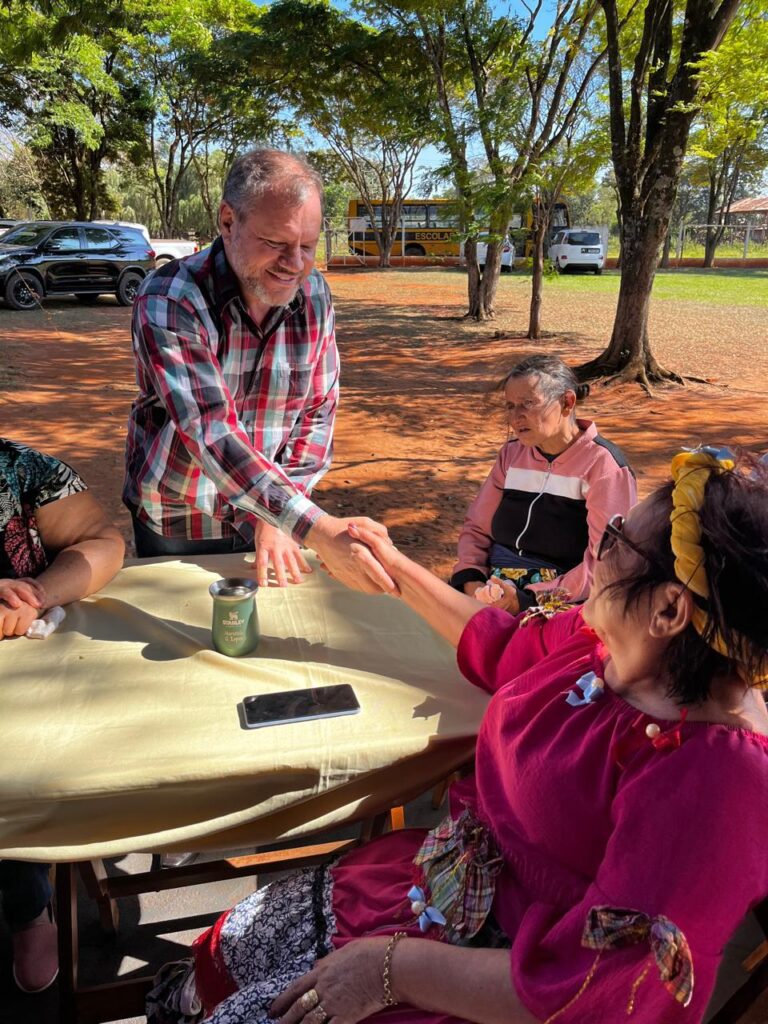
column 443, row 607
column 85, row 550
column 473, row 984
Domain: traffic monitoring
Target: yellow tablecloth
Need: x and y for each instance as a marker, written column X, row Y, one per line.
column 120, row 732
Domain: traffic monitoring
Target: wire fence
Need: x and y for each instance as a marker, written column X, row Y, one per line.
column 739, row 241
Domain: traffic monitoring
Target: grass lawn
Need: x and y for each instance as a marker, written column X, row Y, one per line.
column 726, row 287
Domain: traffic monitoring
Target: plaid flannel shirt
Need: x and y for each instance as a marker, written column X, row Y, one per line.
column 233, row 422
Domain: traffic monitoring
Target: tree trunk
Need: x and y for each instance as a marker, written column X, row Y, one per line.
column 473, row 279
column 710, row 239
column 628, row 354
column 385, row 240
column 537, row 280
column 710, row 247
column 665, row 252
column 482, row 287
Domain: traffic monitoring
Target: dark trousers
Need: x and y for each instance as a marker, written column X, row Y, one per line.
column 25, row 889
column 152, row 545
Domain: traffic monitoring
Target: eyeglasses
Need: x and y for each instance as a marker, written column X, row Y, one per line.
column 528, row 407
column 614, row 531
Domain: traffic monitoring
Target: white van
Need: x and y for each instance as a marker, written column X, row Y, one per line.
column 577, row 247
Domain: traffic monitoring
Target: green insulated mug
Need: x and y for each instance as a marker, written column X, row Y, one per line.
column 235, row 618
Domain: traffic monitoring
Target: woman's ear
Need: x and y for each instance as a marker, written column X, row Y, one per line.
column 671, row 610
column 568, row 402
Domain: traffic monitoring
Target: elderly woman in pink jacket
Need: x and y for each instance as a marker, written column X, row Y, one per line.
column 530, row 533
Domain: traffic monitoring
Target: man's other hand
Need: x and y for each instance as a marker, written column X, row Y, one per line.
column 274, row 549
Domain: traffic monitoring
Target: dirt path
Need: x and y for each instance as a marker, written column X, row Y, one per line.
column 417, row 430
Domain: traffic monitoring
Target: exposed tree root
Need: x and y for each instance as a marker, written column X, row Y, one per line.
column 644, row 374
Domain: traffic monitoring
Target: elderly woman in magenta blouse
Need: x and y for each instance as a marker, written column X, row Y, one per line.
column 613, row 834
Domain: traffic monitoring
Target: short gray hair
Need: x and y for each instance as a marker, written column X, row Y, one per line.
column 554, row 376
column 288, row 176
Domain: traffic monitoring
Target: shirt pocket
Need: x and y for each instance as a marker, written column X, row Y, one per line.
column 275, row 405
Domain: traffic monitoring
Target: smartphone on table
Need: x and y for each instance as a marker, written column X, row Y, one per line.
column 297, row 705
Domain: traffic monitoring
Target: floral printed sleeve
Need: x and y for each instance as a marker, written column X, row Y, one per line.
column 28, row 480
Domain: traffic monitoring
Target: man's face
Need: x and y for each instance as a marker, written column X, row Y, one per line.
column 271, row 247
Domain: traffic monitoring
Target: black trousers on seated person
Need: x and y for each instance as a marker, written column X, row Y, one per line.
column 153, row 545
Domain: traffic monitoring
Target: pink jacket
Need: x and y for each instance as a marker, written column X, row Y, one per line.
column 591, row 479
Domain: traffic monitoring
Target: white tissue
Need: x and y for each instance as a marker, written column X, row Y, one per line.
column 47, row 623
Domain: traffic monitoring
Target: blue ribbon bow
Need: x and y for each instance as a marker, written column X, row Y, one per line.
column 427, row 915
column 591, row 687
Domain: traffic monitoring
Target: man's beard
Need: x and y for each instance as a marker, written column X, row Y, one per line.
column 259, row 291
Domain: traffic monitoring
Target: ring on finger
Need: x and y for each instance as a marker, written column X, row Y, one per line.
column 309, row 1000
column 318, row 1015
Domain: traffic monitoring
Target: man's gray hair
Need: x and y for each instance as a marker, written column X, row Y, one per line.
column 287, row 176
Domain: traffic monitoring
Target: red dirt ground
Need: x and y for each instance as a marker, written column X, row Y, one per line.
column 416, row 430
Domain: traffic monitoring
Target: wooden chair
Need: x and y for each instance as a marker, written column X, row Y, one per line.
column 96, row 1003
column 756, row 964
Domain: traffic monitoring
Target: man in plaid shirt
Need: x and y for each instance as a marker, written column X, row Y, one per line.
column 238, row 372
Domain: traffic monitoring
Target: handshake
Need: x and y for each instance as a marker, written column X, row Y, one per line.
column 358, row 552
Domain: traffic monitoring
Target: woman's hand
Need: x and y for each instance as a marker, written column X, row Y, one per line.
column 25, row 590
column 346, row 986
column 16, row 621
column 380, row 546
column 499, row 594
column 285, row 556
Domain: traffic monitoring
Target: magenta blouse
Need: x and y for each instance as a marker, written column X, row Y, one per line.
column 587, row 811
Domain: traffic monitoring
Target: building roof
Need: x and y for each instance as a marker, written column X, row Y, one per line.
column 750, row 206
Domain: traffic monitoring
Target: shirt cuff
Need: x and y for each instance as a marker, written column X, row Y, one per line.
column 299, row 516
column 463, row 576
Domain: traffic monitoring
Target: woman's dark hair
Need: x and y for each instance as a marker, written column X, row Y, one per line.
column 734, row 525
column 554, row 376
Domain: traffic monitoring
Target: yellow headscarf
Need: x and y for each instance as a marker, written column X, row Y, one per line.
column 690, row 472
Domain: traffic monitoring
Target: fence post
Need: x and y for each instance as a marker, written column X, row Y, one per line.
column 746, row 238
column 680, row 243
column 402, row 240
column 328, row 241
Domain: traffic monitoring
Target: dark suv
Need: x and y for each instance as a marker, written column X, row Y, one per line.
column 40, row 258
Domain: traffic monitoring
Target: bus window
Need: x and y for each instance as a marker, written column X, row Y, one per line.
column 441, row 216
column 560, row 218
column 414, row 216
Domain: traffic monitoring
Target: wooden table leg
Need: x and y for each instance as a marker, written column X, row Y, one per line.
column 66, row 913
column 93, row 872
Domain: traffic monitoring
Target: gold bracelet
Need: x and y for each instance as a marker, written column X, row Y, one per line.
column 388, row 1000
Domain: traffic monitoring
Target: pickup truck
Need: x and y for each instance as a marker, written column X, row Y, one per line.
column 166, row 249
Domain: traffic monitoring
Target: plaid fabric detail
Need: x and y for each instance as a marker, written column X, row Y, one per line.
column 233, row 422
column 613, row 927
column 550, row 603
column 460, row 862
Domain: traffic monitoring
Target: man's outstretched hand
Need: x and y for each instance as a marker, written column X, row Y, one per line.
column 348, row 560
column 276, row 551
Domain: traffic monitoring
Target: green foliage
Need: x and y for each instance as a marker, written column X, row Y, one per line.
column 69, row 83
column 21, row 193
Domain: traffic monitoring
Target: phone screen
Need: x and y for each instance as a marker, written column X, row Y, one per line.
column 296, row 705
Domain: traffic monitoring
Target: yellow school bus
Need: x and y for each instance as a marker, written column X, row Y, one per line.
column 430, row 227
column 521, row 226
